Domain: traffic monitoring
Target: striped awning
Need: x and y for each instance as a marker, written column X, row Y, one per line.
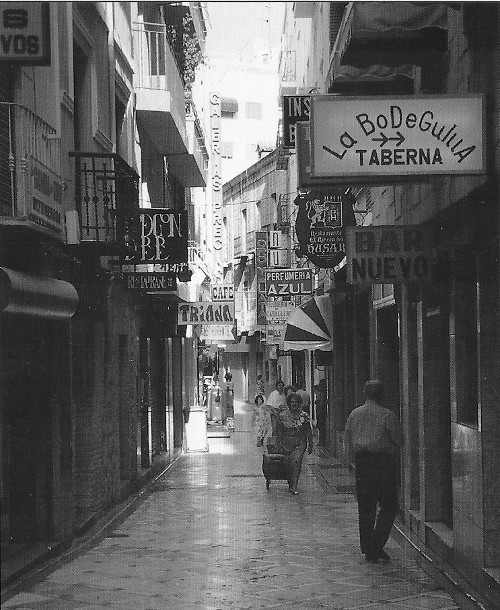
column 310, row 326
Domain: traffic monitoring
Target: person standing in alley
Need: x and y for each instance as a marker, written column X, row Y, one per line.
column 294, row 436
column 306, row 398
column 373, row 436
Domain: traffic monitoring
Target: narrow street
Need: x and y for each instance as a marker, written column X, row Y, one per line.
column 210, row 536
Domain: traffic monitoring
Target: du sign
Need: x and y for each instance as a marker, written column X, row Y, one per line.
column 408, row 136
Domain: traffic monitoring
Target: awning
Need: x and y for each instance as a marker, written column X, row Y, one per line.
column 32, row 295
column 348, row 79
column 310, row 326
column 380, row 33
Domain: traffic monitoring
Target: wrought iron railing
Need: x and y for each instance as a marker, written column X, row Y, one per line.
column 107, row 201
column 31, row 185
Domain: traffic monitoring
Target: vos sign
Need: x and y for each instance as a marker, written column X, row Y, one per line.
column 25, row 33
column 407, row 136
column 388, row 254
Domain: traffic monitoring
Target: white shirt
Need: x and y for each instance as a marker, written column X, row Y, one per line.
column 372, row 427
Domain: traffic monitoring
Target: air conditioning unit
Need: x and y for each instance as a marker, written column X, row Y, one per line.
column 72, row 224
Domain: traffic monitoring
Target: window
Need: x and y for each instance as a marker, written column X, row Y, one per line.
column 253, row 110
column 226, row 150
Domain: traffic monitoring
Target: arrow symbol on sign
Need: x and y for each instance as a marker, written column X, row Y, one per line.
column 384, row 139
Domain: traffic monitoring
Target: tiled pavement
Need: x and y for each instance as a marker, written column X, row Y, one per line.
column 211, row 537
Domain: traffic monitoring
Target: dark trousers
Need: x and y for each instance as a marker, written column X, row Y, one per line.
column 376, row 483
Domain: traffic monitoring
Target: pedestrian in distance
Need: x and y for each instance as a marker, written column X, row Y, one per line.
column 373, row 436
column 261, row 419
column 294, row 436
column 306, row 398
column 276, row 402
column 289, row 389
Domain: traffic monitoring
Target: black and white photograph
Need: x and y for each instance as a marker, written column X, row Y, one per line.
column 250, row 305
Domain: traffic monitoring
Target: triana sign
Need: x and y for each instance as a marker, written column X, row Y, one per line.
column 288, row 282
column 164, row 236
column 25, row 33
column 151, row 282
column 384, row 136
column 222, row 292
column 388, row 254
column 320, row 226
column 205, row 312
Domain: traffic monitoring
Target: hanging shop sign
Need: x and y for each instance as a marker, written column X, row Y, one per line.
column 151, row 282
column 222, row 292
column 277, row 312
column 25, row 33
column 288, row 282
column 214, row 333
column 261, row 245
column 408, row 136
column 303, row 149
column 275, row 334
column 216, row 181
column 296, row 108
column 163, row 237
column 388, row 254
column 320, row 226
column 205, row 312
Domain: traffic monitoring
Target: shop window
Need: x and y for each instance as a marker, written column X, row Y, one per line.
column 466, row 337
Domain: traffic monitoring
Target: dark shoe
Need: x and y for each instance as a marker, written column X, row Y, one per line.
column 383, row 556
column 371, row 558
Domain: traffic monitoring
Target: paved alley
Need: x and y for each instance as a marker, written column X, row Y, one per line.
column 210, row 537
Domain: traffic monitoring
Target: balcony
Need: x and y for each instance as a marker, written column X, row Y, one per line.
column 107, row 202
column 161, row 105
column 31, row 185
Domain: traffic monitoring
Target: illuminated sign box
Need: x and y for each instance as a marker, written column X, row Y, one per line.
column 408, row 136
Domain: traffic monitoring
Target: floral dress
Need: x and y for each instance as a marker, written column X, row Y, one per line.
column 294, row 434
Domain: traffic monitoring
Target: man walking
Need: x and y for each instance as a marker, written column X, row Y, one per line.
column 373, row 436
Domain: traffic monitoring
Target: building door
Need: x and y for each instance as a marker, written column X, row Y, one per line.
column 29, row 388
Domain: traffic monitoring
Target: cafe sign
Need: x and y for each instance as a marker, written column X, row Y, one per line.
column 222, row 292
column 388, row 254
column 288, row 282
column 384, row 137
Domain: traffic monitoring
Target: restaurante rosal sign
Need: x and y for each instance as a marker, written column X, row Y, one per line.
column 320, row 226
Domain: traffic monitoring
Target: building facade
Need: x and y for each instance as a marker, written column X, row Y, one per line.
column 97, row 129
column 433, row 344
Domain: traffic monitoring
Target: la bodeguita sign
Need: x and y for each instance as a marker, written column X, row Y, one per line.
column 383, row 137
column 388, row 254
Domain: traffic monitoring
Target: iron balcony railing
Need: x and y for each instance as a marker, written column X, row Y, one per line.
column 107, row 201
column 31, row 185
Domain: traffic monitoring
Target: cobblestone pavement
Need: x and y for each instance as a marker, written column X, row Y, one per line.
column 211, row 537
